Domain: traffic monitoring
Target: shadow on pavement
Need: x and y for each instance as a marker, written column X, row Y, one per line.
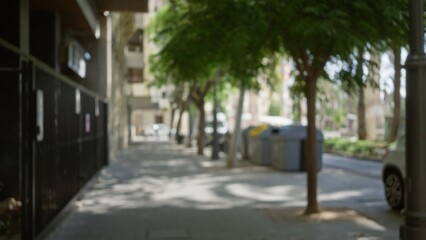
column 160, row 189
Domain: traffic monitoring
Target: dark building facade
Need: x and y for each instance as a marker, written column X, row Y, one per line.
column 54, row 72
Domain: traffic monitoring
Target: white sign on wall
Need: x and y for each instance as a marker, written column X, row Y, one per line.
column 97, row 107
column 77, row 101
column 87, row 117
column 40, row 116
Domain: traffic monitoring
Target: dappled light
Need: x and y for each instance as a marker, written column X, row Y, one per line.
column 169, row 186
column 263, row 194
column 221, row 190
column 340, row 195
column 326, row 215
column 183, row 182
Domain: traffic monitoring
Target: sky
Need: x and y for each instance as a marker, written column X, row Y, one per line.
column 387, row 72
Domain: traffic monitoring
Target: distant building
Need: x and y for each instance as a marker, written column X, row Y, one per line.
column 147, row 104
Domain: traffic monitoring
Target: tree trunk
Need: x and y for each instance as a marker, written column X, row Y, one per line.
column 179, row 123
column 311, row 84
column 236, row 136
column 362, row 131
column 172, row 120
column 197, row 95
column 296, row 107
column 201, row 126
column 299, row 109
column 396, row 94
column 190, row 125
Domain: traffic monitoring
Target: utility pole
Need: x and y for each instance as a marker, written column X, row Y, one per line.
column 215, row 144
column 414, row 227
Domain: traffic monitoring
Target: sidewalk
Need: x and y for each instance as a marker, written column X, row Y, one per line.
column 161, row 191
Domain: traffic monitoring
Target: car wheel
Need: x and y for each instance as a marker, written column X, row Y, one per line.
column 394, row 189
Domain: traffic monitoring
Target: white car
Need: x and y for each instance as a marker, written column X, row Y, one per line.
column 393, row 174
column 156, row 129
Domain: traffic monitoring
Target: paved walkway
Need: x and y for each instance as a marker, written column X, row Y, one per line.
column 161, row 191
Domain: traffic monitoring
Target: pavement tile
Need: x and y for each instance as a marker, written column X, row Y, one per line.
column 162, row 191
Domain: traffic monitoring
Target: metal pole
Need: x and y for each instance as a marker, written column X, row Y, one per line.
column 215, row 144
column 129, row 124
column 415, row 212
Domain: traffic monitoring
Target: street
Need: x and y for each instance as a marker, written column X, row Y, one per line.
column 362, row 167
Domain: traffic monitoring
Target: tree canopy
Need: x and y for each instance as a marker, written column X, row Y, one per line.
column 236, row 36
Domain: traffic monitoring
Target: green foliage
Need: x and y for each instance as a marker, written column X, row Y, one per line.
column 362, row 148
column 332, row 105
column 339, row 117
column 178, row 60
column 394, row 30
column 199, row 37
column 391, row 31
column 297, row 94
column 274, row 108
column 351, row 75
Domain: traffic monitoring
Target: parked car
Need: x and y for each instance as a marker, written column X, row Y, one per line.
column 223, row 133
column 156, row 129
column 393, row 174
column 222, row 129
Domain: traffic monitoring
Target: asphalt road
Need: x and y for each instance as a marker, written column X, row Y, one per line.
column 368, row 168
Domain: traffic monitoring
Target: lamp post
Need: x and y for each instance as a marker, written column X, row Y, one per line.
column 215, row 144
column 414, row 227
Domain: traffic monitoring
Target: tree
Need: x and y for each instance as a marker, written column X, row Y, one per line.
column 396, row 94
column 297, row 95
column 197, row 95
column 355, row 79
column 338, row 28
column 394, row 42
column 315, row 32
column 178, row 62
column 209, row 40
column 332, row 105
column 176, row 101
column 241, row 33
column 393, row 33
column 359, row 76
column 182, row 106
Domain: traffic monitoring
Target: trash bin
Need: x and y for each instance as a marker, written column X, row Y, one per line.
column 180, row 139
column 288, row 148
column 244, row 142
column 259, row 146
